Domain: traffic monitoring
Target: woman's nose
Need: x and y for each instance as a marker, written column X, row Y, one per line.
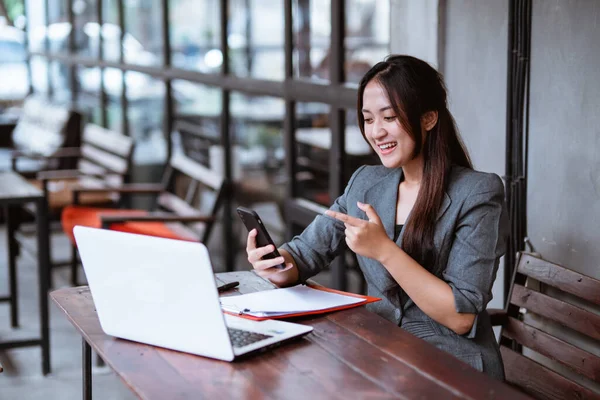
column 378, row 131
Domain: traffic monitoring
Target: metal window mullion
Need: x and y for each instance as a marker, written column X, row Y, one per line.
column 103, row 97
column 336, row 117
column 71, row 44
column 168, row 106
column 289, row 132
column 336, row 73
column 49, row 86
column 124, row 102
column 226, row 141
column 28, row 53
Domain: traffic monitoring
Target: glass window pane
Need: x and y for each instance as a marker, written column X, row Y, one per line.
column 313, row 142
column 39, row 74
column 36, row 19
column 88, row 93
column 111, row 32
column 58, row 30
column 358, row 150
column 367, row 36
column 258, row 157
column 146, row 101
column 86, row 27
column 14, row 81
column 312, row 36
column 113, row 85
column 142, row 43
column 256, row 47
column 59, row 74
column 194, row 31
column 197, row 122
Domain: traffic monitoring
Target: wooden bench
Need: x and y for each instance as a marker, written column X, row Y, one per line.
column 103, row 160
column 186, row 205
column 42, row 129
column 550, row 333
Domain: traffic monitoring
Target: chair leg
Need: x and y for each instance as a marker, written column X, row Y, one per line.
column 74, row 266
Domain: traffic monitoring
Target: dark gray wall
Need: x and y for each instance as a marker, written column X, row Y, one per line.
column 474, row 65
column 564, row 163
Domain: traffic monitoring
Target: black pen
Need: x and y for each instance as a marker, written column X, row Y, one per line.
column 227, row 286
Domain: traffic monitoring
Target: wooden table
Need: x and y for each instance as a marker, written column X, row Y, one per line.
column 16, row 191
column 352, row 354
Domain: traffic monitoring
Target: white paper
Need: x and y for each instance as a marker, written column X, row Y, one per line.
column 291, row 300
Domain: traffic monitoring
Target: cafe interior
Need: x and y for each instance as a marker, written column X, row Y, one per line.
column 189, row 109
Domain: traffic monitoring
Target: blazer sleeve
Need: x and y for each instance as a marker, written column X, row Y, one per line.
column 479, row 242
column 323, row 240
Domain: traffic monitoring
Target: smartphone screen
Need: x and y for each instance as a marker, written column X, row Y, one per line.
column 252, row 221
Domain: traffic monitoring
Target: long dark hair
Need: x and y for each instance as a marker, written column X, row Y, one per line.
column 414, row 88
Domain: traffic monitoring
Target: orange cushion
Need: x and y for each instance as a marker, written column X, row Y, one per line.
column 90, row 216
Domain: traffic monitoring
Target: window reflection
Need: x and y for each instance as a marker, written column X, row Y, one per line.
column 312, row 35
column 111, row 33
column 142, row 43
column 146, row 97
column 194, row 32
column 113, row 85
column 55, row 30
column 86, row 27
column 358, row 150
column 88, row 93
column 367, row 38
column 255, row 45
column 258, row 157
column 39, row 74
column 313, row 144
column 196, row 123
column 14, row 81
column 60, row 80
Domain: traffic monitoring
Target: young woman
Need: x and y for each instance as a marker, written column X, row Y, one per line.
column 427, row 229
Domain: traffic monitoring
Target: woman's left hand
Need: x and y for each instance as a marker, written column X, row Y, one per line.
column 366, row 238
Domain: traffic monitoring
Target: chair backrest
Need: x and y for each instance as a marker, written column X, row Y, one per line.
column 45, row 127
column 559, row 321
column 106, row 152
column 194, row 188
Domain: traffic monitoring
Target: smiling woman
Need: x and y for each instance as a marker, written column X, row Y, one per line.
column 435, row 275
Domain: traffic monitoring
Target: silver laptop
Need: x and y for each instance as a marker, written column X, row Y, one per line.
column 163, row 292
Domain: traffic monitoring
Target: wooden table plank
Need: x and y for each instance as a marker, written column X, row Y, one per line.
column 443, row 369
column 350, row 354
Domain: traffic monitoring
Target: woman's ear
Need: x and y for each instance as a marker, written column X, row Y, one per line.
column 429, row 119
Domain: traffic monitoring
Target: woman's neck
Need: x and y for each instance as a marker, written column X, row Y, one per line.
column 413, row 171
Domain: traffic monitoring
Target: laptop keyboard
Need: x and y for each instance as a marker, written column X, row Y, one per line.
column 240, row 338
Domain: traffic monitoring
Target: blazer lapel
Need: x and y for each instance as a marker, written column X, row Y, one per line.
column 383, row 196
column 445, row 204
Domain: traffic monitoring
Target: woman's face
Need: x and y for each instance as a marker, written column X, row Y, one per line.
column 383, row 130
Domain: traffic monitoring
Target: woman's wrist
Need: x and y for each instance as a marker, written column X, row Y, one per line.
column 388, row 252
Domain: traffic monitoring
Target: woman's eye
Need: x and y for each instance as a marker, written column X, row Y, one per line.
column 368, row 120
column 388, row 119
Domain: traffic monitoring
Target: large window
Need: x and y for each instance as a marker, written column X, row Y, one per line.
column 262, row 92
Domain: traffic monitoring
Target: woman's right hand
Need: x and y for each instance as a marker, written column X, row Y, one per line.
column 265, row 268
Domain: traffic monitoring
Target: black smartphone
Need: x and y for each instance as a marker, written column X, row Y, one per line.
column 252, row 221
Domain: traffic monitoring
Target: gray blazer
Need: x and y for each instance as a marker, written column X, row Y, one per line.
column 470, row 236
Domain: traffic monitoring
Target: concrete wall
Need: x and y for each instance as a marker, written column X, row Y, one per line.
column 564, row 161
column 470, row 44
column 473, row 47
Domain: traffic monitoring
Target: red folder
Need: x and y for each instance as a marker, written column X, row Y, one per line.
column 368, row 299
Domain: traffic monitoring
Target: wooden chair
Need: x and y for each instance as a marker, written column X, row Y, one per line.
column 103, row 160
column 187, row 202
column 556, row 322
column 42, row 130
